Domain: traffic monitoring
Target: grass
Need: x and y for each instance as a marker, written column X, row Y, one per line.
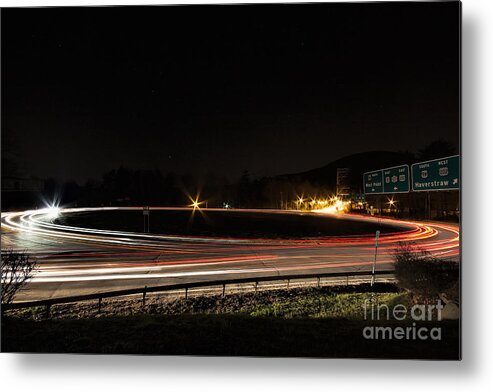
column 227, row 223
column 306, row 323
column 332, row 305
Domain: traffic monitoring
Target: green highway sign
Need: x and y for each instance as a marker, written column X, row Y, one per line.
column 437, row 175
column 390, row 180
column 396, row 179
column 373, row 182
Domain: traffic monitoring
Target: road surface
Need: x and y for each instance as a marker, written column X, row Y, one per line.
column 76, row 261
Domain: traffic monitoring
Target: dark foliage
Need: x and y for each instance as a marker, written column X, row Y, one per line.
column 424, row 275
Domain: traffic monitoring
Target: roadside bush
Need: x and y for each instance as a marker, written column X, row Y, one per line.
column 424, row 275
column 16, row 269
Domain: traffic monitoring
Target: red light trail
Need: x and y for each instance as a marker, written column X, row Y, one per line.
column 86, row 260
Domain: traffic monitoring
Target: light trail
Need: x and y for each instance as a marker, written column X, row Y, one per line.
column 82, row 260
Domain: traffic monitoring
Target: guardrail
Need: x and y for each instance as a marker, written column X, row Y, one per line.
column 186, row 286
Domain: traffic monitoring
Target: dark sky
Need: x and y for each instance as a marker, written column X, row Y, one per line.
column 273, row 89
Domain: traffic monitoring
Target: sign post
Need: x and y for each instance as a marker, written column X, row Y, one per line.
column 377, row 234
column 146, row 212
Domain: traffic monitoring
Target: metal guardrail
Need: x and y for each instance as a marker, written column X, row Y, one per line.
column 185, row 286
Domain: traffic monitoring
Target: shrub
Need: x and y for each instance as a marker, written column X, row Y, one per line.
column 424, row 275
column 16, row 269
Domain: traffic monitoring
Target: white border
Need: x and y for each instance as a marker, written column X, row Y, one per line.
column 82, row 373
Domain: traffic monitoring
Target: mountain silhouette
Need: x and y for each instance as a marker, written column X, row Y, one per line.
column 357, row 163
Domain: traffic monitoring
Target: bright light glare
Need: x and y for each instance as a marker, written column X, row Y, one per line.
column 195, row 203
column 52, row 212
column 337, row 206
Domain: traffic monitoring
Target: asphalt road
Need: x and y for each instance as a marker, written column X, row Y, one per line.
column 80, row 261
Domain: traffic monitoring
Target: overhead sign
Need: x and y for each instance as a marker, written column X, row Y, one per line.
column 396, row 179
column 373, row 182
column 437, row 175
column 390, row 180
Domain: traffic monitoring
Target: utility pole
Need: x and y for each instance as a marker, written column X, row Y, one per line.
column 428, row 197
column 377, row 234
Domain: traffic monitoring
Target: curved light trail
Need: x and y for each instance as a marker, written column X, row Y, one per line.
column 75, row 260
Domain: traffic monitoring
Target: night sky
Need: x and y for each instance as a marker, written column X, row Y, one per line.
column 197, row 89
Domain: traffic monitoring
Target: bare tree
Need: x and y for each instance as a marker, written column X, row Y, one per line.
column 17, row 268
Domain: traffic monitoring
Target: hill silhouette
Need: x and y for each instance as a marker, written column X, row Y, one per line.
column 357, row 163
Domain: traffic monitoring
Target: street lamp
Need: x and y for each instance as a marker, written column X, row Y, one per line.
column 391, row 204
column 299, row 202
column 195, row 203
